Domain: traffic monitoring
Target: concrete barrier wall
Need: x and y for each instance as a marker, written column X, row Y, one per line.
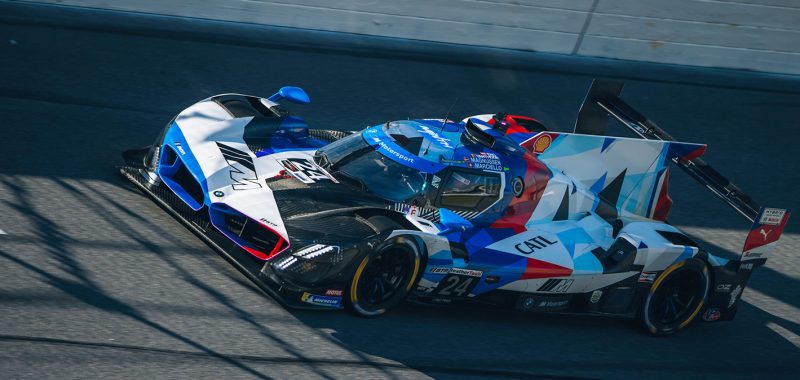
column 761, row 35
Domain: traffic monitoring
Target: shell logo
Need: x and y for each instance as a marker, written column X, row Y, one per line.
column 542, row 143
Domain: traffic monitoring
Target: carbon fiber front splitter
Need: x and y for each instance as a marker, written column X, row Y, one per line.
column 198, row 223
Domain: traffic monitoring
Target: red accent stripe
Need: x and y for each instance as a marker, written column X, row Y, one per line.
column 664, row 202
column 543, row 269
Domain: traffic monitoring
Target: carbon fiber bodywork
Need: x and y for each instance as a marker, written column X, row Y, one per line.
column 199, row 224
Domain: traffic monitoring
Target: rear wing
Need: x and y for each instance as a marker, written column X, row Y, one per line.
column 603, row 101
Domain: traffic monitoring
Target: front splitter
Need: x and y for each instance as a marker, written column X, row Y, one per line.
column 198, row 223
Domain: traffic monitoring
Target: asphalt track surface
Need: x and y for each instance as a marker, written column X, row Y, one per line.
column 96, row 281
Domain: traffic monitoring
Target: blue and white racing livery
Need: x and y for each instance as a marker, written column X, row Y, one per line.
column 494, row 209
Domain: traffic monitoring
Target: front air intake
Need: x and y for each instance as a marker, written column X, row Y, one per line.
column 250, row 234
column 177, row 176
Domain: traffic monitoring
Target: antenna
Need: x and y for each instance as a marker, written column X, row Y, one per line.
column 441, row 129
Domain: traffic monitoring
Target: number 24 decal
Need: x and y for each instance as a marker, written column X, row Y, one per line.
column 456, row 286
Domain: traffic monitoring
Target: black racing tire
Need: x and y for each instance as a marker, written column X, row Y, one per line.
column 384, row 277
column 675, row 298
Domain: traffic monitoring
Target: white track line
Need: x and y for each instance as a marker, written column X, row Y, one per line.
column 786, row 334
column 2, row 232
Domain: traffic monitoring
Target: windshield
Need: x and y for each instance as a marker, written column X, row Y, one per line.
column 353, row 158
column 336, row 152
column 384, row 177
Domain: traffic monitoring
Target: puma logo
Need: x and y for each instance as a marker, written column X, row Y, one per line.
column 765, row 233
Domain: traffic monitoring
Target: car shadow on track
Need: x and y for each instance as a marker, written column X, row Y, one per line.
column 76, row 281
column 456, row 341
column 765, row 337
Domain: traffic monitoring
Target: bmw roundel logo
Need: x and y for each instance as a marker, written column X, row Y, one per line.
column 218, row 193
column 518, row 186
column 527, row 303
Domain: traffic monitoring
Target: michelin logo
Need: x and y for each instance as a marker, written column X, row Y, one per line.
column 321, row 300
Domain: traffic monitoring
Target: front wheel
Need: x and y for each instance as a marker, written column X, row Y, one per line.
column 384, row 277
column 676, row 297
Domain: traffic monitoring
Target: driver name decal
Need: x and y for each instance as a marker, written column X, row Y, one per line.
column 435, row 136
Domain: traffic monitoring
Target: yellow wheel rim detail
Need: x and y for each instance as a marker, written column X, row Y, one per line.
column 664, row 275
column 413, row 274
column 661, row 279
column 356, row 277
column 699, row 306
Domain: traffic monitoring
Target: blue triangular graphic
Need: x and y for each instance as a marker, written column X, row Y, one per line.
column 599, row 184
column 606, row 143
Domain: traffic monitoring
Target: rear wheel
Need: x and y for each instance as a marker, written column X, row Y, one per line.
column 384, row 277
column 676, row 297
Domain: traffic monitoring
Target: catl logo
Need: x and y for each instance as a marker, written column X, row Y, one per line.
column 243, row 171
column 531, row 245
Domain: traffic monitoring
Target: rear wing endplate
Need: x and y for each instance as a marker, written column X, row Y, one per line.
column 603, row 100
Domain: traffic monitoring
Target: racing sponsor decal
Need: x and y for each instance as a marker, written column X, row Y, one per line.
column 395, row 153
column 542, row 143
column 439, row 270
column 556, row 285
column 435, row 181
column 595, row 297
column 712, row 314
column 767, row 230
column 461, row 178
column 321, row 300
column 428, row 213
column 772, row 216
column 466, row 272
column 268, row 222
column 527, row 303
column 242, row 170
column 647, row 277
column 723, row 288
column 484, row 160
column 306, row 171
column 456, row 271
column 746, row 267
column 180, row 148
column 334, row 292
column 531, row 303
column 554, row 303
column 444, row 142
column 531, row 245
column 734, row 295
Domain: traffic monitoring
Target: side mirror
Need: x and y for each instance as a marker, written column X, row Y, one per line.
column 453, row 221
column 292, row 94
